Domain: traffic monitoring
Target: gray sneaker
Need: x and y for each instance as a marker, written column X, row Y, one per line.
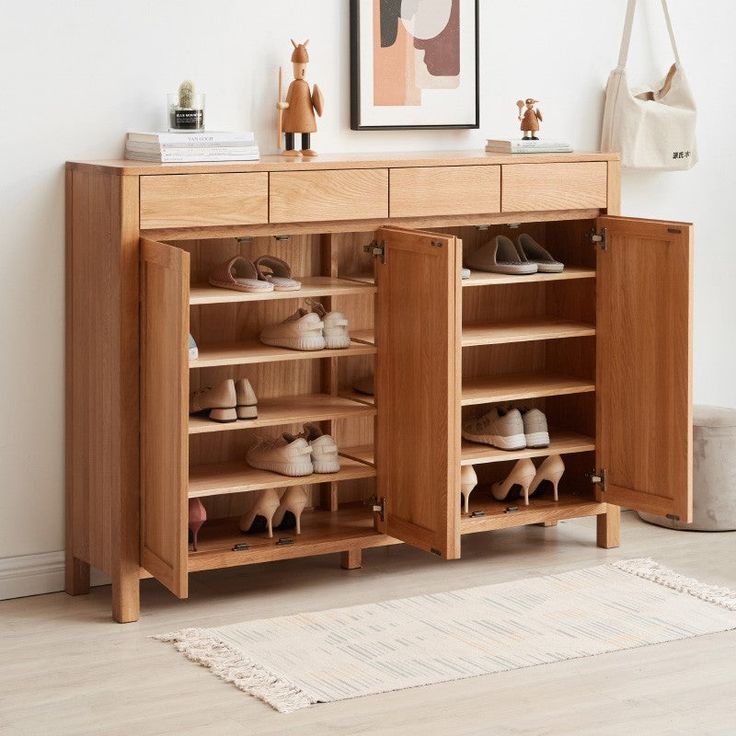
column 498, row 428
column 535, row 428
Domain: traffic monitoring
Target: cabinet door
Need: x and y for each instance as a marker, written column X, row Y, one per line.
column 643, row 383
column 418, row 314
column 164, row 410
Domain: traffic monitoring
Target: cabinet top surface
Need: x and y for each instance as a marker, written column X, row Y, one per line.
column 276, row 162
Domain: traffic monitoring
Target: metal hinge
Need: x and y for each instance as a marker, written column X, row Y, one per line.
column 673, row 517
column 598, row 477
column 379, row 507
column 377, row 249
column 599, row 239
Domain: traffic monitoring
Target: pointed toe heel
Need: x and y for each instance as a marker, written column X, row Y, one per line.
column 522, row 474
column 289, row 513
column 468, row 481
column 552, row 470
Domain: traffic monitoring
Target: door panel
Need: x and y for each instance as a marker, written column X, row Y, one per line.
column 164, row 405
column 418, row 314
column 643, row 383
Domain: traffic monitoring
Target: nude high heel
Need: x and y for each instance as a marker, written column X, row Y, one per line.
column 522, row 474
column 289, row 513
column 197, row 517
column 264, row 507
column 468, row 481
column 552, row 470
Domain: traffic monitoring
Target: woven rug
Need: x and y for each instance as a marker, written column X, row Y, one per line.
column 292, row 662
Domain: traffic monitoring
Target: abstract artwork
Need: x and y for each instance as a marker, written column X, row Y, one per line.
column 414, row 64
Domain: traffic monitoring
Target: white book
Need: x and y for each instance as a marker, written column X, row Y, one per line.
column 520, row 145
column 207, row 138
column 196, row 151
column 174, row 158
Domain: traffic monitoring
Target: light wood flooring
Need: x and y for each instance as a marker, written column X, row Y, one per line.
column 65, row 668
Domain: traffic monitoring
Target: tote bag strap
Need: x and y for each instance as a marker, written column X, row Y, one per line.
column 628, row 24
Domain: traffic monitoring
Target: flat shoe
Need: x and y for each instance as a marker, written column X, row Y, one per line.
column 275, row 271
column 500, row 255
column 238, row 274
column 531, row 251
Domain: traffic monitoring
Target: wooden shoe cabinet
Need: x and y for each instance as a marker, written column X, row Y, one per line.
column 602, row 348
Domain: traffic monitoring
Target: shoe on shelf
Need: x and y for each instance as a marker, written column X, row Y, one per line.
column 239, row 274
column 552, row 469
column 220, row 401
column 247, row 403
column 277, row 272
column 301, row 331
column 286, row 455
column 260, row 518
column 335, row 328
column 193, row 349
column 197, row 517
column 499, row 428
column 521, row 475
column 468, row 481
column 531, row 251
column 535, row 428
column 500, row 255
column 324, row 449
column 289, row 513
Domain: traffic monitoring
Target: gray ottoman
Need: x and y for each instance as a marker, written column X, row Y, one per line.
column 714, row 473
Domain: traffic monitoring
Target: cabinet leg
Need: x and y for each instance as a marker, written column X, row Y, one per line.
column 126, row 598
column 352, row 559
column 549, row 523
column 76, row 578
column 609, row 527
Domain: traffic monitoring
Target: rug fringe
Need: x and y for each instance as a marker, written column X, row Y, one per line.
column 250, row 677
column 648, row 569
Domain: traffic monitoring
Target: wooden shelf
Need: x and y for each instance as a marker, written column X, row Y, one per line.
column 514, row 386
column 254, row 351
column 351, row 527
column 562, row 442
column 357, row 396
column 482, row 278
column 362, row 453
column 238, row 477
column 288, row 410
column 540, row 509
column 363, row 336
column 523, row 330
column 367, row 278
column 312, row 286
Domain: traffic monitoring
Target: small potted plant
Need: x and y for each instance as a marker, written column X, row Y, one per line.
column 186, row 108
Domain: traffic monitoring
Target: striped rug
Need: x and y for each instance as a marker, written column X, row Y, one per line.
column 292, row 662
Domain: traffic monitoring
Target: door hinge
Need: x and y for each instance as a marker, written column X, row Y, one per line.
column 598, row 477
column 377, row 249
column 599, row 239
column 437, row 243
column 673, row 517
column 379, row 507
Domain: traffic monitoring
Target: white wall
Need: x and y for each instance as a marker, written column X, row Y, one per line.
column 78, row 74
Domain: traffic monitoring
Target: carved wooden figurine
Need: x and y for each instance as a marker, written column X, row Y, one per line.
column 296, row 114
column 530, row 118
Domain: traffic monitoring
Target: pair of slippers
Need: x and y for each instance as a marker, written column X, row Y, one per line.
column 502, row 255
column 266, row 273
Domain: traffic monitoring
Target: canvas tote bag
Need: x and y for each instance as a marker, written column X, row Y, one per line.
column 651, row 128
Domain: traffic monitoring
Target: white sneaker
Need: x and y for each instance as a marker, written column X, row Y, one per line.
column 285, row 455
column 324, row 449
column 335, row 328
column 498, row 428
column 301, row 331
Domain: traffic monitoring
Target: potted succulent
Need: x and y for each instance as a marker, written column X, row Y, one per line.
column 186, row 108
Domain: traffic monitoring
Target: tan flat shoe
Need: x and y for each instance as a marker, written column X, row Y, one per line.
column 218, row 401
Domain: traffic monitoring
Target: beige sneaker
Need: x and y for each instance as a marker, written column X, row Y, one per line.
column 301, row 331
column 219, row 401
column 324, row 450
column 335, row 328
column 285, row 455
column 535, row 428
column 247, row 406
column 498, row 428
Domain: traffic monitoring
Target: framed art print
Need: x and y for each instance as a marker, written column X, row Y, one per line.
column 414, row 64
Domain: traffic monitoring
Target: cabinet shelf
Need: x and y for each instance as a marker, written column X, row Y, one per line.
column 482, row 278
column 288, row 410
column 366, row 337
column 562, row 443
column 254, row 351
column 523, row 330
column 362, row 453
column 351, row 527
column 354, row 395
column 238, row 477
column 515, row 386
column 312, row 286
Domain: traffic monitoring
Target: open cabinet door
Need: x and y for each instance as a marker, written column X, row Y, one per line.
column 164, row 405
column 418, row 317
column 643, row 383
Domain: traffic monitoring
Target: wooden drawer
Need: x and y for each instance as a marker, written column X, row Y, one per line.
column 537, row 187
column 197, row 200
column 446, row 190
column 309, row 196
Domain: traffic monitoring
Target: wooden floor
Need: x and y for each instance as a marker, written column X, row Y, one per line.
column 66, row 669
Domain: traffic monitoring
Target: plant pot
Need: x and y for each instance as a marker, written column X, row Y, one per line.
column 186, row 118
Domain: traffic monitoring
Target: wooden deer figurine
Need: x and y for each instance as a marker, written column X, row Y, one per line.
column 296, row 114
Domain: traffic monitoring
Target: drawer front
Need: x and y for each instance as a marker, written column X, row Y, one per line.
column 310, row 196
column 537, row 187
column 197, row 200
column 447, row 190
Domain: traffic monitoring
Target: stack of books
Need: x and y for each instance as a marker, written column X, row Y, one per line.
column 188, row 147
column 521, row 146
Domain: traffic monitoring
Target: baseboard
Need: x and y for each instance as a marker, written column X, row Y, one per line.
column 36, row 574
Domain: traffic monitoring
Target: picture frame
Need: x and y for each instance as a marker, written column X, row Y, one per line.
column 399, row 81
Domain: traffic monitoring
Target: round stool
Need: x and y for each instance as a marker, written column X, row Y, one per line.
column 714, row 473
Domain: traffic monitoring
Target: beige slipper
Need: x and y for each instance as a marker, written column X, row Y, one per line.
column 277, row 272
column 238, row 274
column 500, row 255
